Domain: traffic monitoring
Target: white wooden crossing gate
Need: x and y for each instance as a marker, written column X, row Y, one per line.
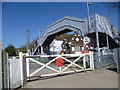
column 72, row 63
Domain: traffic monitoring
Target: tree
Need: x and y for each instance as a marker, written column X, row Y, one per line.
column 21, row 49
column 10, row 50
column 32, row 43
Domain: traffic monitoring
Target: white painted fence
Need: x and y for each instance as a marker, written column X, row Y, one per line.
column 14, row 73
column 17, row 68
column 62, row 69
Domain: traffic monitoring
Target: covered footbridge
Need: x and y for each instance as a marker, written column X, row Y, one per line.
column 96, row 26
column 64, row 25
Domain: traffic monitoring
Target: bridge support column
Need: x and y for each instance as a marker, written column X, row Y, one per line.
column 41, row 49
column 107, row 47
column 38, row 50
column 98, row 51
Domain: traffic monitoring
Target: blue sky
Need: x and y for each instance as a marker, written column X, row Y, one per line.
column 20, row 16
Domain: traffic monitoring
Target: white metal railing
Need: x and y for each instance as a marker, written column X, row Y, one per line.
column 62, row 69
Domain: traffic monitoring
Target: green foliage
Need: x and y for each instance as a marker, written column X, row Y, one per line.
column 21, row 49
column 45, row 49
column 31, row 45
column 10, row 50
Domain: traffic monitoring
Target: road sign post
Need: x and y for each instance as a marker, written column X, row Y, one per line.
column 86, row 41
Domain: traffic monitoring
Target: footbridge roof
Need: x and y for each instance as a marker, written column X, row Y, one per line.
column 67, row 24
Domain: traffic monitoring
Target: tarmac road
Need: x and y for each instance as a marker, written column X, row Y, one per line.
column 100, row 78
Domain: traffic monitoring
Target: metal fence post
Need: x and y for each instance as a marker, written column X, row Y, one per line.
column 27, row 65
column 5, row 69
column 24, row 71
column 9, row 72
column 118, row 61
column 1, row 67
column 21, row 66
column 84, row 62
column 90, row 55
column 92, row 60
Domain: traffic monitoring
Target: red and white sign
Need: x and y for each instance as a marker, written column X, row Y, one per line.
column 59, row 62
column 87, row 47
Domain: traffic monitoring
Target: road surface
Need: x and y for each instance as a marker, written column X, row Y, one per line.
column 100, row 78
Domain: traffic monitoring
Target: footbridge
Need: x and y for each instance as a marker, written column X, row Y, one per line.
column 96, row 26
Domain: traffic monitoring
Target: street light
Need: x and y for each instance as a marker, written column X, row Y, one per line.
column 40, row 32
column 40, row 36
column 88, row 11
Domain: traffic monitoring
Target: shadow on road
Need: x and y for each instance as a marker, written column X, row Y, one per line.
column 36, row 78
column 113, row 69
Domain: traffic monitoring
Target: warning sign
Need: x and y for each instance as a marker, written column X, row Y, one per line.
column 59, row 62
column 87, row 47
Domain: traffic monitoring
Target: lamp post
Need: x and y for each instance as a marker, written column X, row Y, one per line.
column 88, row 12
column 39, row 34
